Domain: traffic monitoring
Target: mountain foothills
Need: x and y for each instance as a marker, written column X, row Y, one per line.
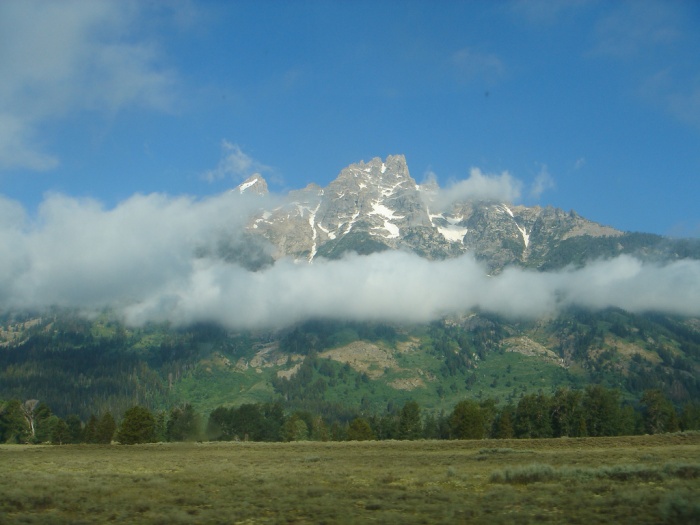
column 341, row 370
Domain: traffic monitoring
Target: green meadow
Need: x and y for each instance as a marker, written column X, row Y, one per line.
column 637, row 479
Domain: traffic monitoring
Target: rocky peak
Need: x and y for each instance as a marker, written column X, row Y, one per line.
column 377, row 205
column 254, row 184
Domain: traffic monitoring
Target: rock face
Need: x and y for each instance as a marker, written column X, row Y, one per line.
column 377, row 205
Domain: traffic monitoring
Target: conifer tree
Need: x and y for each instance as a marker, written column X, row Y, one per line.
column 90, row 431
column 60, row 432
column 658, row 413
column 138, row 426
column 360, row 430
column 467, row 421
column 106, row 426
column 410, row 424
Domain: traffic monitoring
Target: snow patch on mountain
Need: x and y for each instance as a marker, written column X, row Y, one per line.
column 379, row 209
column 352, row 221
column 246, row 185
column 526, row 236
column 314, row 233
column 390, row 227
column 453, row 233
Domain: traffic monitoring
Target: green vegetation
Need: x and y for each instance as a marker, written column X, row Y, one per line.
column 339, row 369
column 593, row 412
column 641, row 480
column 578, row 250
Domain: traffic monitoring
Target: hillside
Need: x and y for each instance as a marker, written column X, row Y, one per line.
column 365, row 294
column 84, row 367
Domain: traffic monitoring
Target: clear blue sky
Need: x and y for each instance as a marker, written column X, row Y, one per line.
column 593, row 105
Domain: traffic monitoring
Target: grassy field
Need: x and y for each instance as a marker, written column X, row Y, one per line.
column 640, row 480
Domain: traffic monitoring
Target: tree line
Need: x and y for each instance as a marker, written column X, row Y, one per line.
column 594, row 411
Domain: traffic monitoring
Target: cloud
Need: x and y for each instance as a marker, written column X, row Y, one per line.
column 234, row 163
column 543, row 182
column 634, row 27
column 470, row 64
column 479, row 186
column 18, row 148
column 77, row 253
column 678, row 96
column 154, row 258
column 544, row 12
column 58, row 58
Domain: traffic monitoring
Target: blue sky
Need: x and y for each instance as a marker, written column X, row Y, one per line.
column 593, row 105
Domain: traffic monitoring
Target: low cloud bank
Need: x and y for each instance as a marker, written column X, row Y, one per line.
column 154, row 258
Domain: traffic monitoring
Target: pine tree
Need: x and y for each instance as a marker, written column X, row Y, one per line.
column 467, row 421
column 13, row 425
column 601, row 407
column 60, row 432
column 410, row 424
column 138, row 426
column 360, row 430
column 658, row 413
column 106, row 426
column 184, row 424
column 90, row 431
column 75, row 429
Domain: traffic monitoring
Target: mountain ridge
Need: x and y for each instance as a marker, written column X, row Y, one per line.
column 325, row 357
column 385, row 208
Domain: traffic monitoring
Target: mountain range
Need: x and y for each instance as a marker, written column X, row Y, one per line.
column 377, row 205
column 87, row 364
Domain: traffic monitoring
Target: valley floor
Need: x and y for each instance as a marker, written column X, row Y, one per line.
column 640, row 479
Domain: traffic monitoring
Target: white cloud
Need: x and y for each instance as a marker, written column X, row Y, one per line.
column 18, row 148
column 543, row 182
column 479, row 186
column 234, row 163
column 58, row 58
column 148, row 259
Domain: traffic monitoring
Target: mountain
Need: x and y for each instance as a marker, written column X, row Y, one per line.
column 376, row 206
column 90, row 364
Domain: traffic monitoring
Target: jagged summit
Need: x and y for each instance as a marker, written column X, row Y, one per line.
column 377, row 205
column 255, row 184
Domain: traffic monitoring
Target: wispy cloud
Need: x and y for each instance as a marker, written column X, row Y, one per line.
column 470, row 64
column 680, row 98
column 654, row 39
column 544, row 12
column 543, row 182
column 235, row 164
column 633, row 27
column 58, row 58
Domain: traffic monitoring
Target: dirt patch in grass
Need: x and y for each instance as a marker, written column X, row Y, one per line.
column 364, row 357
column 526, row 346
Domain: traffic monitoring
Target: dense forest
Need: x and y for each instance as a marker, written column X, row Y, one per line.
column 338, row 371
column 594, row 411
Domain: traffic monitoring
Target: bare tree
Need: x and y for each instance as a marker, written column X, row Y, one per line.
column 29, row 413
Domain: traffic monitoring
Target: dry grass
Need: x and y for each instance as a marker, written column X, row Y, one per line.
column 644, row 479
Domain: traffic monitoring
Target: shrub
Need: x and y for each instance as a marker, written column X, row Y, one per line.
column 528, row 474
